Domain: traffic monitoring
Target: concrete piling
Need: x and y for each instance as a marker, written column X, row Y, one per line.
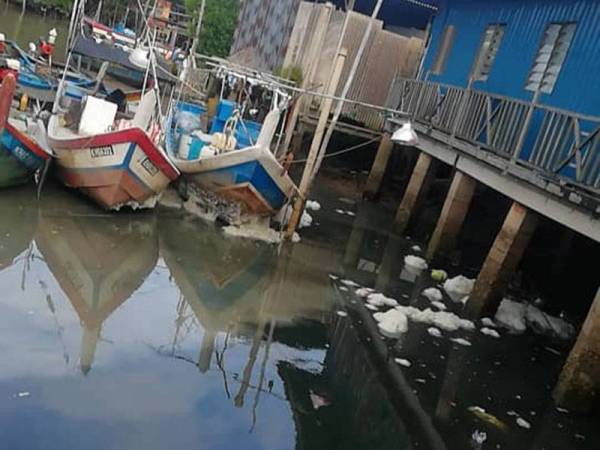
column 379, row 167
column 578, row 387
column 502, row 260
column 416, row 190
column 453, row 214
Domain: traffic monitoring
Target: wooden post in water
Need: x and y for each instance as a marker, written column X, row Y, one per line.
column 309, row 172
column 578, row 387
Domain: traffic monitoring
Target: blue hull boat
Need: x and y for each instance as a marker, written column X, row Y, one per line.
column 238, row 166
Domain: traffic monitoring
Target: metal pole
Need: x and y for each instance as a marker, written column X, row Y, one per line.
column 198, row 28
column 349, row 81
column 307, row 176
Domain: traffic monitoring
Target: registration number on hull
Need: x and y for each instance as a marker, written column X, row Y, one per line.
column 102, row 152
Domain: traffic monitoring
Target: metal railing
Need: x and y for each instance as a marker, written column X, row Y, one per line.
column 555, row 143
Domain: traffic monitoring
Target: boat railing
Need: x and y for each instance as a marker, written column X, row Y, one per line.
column 555, row 143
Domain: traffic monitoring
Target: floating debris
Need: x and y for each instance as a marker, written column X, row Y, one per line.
column 23, row 394
column 479, row 437
column 461, row 341
column 488, row 323
column 342, row 313
column 371, row 307
column 512, row 413
column 481, row 414
column 420, row 381
column 459, row 287
column 415, row 262
column 562, row 410
column 523, row 423
column 363, row 292
column 343, row 288
column 392, row 324
column 403, row 362
column 439, row 305
column 381, row 300
column 516, row 317
column 350, row 283
column 415, row 248
column 334, row 277
column 318, row 401
column 313, row 205
column 441, row 319
column 433, row 294
column 435, row 332
column 490, row 332
column 439, row 275
column 551, row 350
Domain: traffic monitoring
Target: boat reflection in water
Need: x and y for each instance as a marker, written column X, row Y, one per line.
column 99, row 261
column 18, row 210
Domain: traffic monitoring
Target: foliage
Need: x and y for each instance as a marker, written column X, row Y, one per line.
column 292, row 73
column 218, row 25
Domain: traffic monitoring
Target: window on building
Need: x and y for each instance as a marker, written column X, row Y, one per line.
column 444, row 50
column 487, row 53
column 550, row 57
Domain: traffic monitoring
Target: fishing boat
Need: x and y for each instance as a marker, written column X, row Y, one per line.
column 234, row 159
column 114, row 161
column 21, row 154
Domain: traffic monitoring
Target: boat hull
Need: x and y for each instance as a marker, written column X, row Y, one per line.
column 117, row 169
column 250, row 176
column 20, row 157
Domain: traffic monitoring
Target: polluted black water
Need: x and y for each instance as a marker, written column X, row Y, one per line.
column 154, row 330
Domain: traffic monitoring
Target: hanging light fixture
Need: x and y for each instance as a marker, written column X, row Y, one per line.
column 406, row 135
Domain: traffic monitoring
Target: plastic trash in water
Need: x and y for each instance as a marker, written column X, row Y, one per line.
column 439, row 275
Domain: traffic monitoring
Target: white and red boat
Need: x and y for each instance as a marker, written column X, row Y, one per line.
column 116, row 163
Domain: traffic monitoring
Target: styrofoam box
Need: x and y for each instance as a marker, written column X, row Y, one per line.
column 97, row 117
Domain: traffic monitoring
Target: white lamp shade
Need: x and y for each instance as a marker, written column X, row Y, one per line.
column 406, row 135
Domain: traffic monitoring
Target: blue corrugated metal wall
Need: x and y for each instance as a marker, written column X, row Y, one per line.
column 578, row 87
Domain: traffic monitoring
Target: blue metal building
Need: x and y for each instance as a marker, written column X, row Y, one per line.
column 524, row 23
column 517, row 79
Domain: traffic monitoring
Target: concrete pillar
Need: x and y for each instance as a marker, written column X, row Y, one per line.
column 379, row 166
column 502, row 260
column 416, row 189
column 453, row 214
column 578, row 387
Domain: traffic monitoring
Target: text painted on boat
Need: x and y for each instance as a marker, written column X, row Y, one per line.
column 102, row 152
column 149, row 167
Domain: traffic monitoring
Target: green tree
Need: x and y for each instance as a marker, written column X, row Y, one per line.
column 218, row 25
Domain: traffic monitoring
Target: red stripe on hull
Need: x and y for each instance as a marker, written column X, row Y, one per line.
column 110, row 188
column 131, row 136
column 29, row 143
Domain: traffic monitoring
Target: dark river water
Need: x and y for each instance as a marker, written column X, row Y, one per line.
column 153, row 330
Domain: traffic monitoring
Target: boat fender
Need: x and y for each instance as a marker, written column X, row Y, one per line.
column 7, row 90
